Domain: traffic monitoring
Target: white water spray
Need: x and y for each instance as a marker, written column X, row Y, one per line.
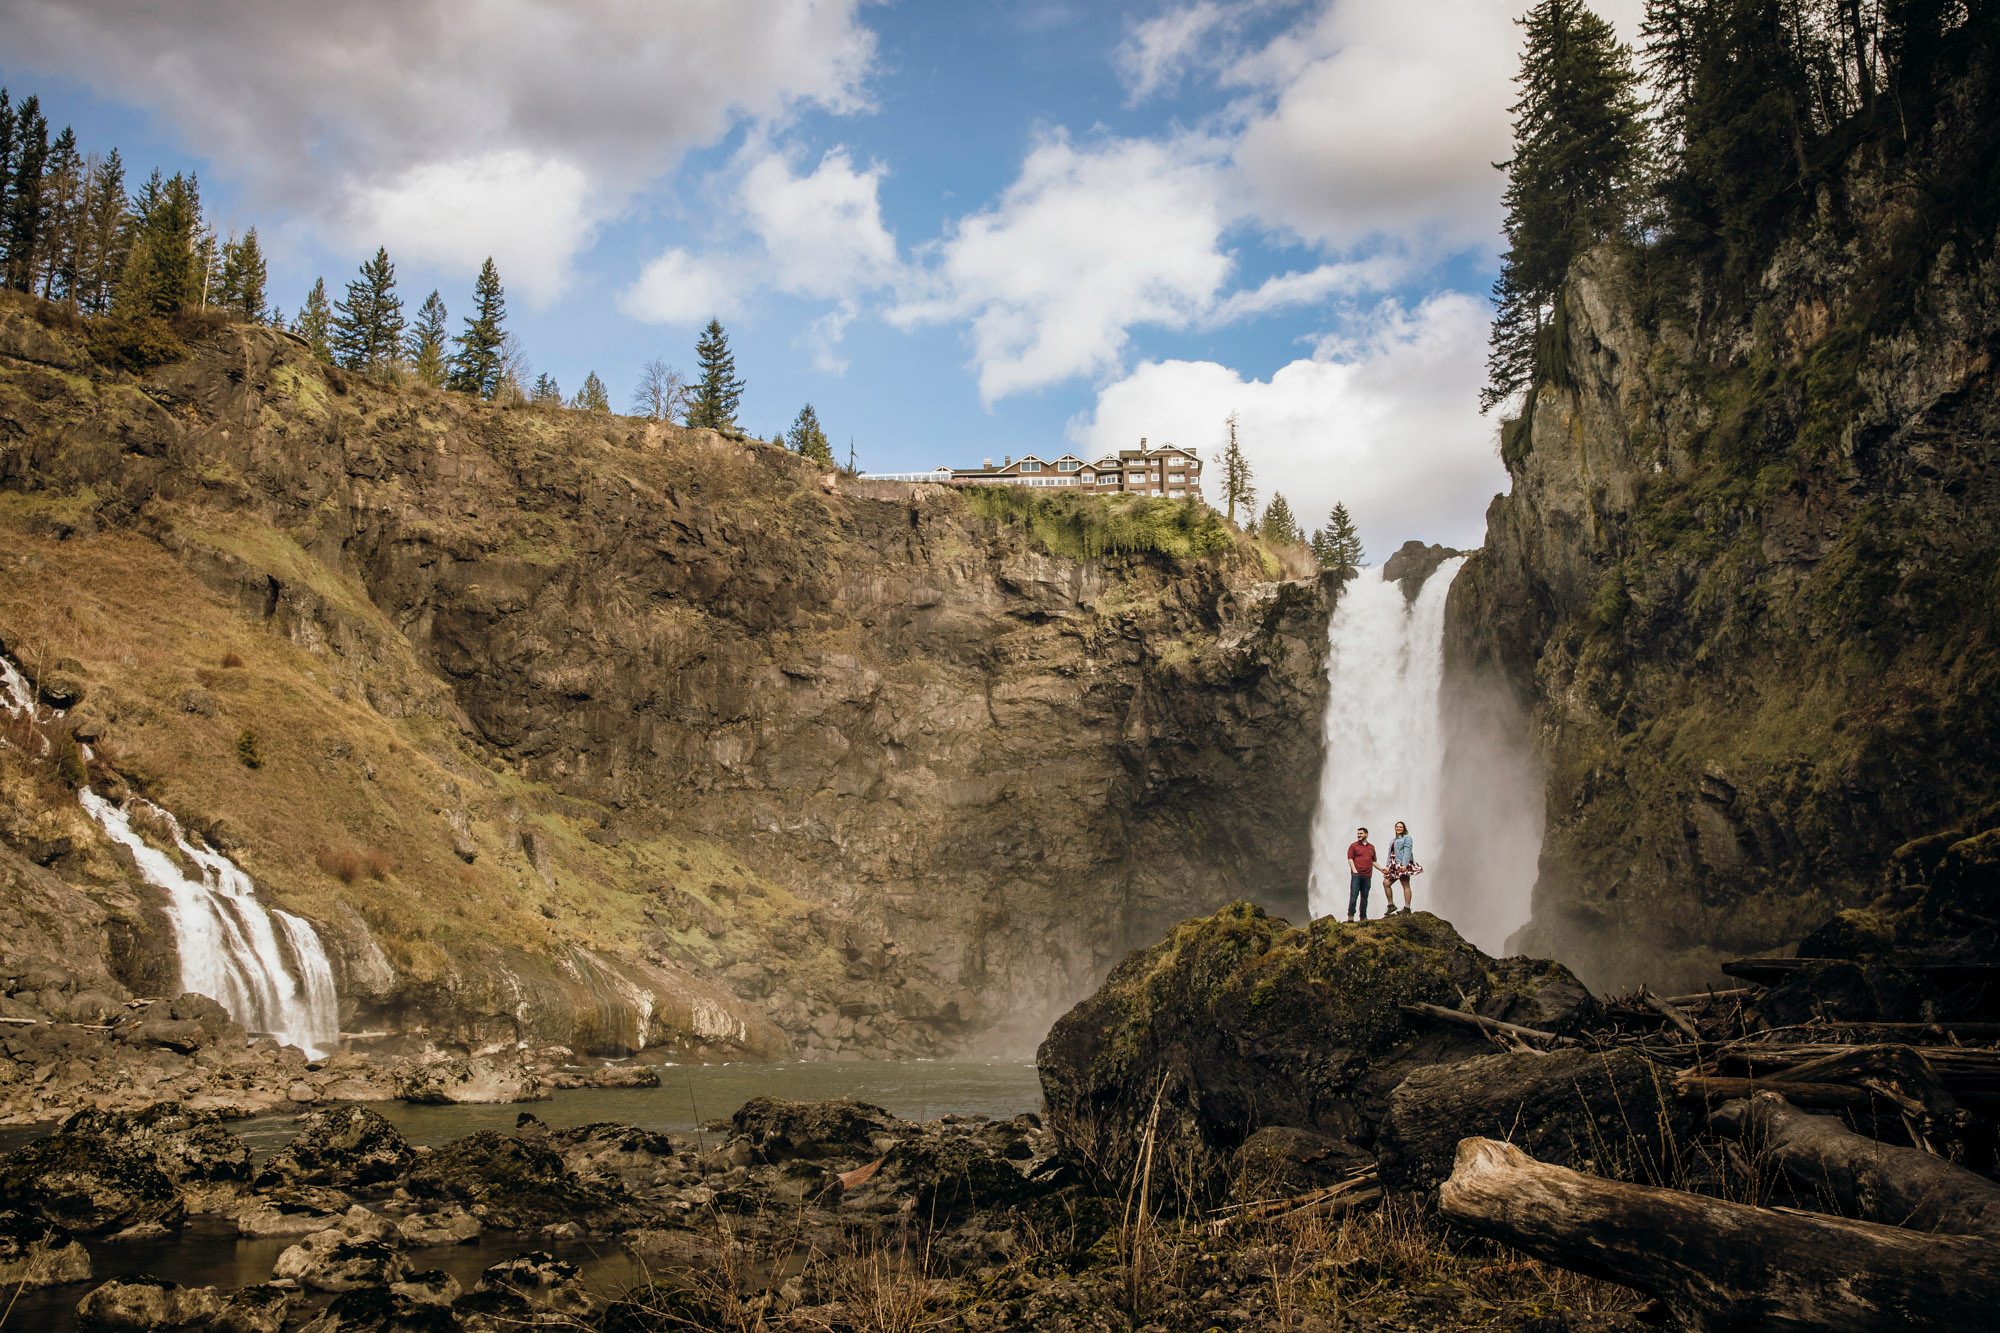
column 1388, row 757
column 229, row 942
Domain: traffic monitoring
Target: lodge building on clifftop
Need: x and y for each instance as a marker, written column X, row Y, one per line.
column 1169, row 470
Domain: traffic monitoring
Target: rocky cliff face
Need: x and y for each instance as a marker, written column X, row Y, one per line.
column 1743, row 587
column 594, row 730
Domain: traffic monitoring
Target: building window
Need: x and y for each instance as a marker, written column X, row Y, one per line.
column 1175, row 476
column 1068, row 465
column 1031, row 467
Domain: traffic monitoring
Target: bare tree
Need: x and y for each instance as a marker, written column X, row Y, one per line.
column 515, row 371
column 663, row 393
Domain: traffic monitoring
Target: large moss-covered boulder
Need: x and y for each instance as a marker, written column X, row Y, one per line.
column 1238, row 1021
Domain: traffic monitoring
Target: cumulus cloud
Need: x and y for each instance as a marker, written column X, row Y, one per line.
column 823, row 230
column 1158, row 50
column 1383, row 419
column 679, row 288
column 1087, row 242
column 336, row 109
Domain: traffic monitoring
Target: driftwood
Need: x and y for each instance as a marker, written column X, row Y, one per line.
column 1670, row 1011
column 1834, row 1096
column 1876, row 1182
column 1772, row 971
column 1335, row 1200
column 1479, row 1023
column 1726, row 1266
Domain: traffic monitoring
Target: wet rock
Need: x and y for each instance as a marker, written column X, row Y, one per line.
column 258, row 1309
column 87, row 1185
column 1245, row 1021
column 145, row 1305
column 59, row 689
column 343, row 1146
column 185, row 1036
column 382, row 1310
column 513, row 1184
column 333, row 1260
column 607, row 1076
column 1278, row 1160
column 473, row 1081
column 497, row 1311
column 622, row 1151
column 432, row 1287
column 191, row 1147
column 34, row 1254
column 292, row 1212
column 450, row 1225
column 1610, row 1113
column 543, row 1281
column 949, row 1175
column 778, row 1131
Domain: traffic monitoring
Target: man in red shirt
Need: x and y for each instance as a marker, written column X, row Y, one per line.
column 1360, row 872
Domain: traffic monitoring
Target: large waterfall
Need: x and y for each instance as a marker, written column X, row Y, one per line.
column 1388, row 758
column 266, row 967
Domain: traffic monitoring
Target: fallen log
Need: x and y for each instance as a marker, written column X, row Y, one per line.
column 1703, row 997
column 1876, row 1182
column 1725, row 1266
column 1668, row 1010
column 1835, row 1096
column 1479, row 1023
column 1771, row 971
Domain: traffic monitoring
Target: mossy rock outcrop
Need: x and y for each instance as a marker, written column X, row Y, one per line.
column 1239, row 1021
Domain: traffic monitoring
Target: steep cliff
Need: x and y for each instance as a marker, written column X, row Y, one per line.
column 587, row 729
column 1743, row 587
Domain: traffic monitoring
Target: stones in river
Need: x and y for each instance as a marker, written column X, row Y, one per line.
column 34, row 1254
column 543, row 1281
column 449, row 1225
column 357, row 1253
column 778, row 1131
column 144, row 1304
column 83, row 1183
column 475, row 1080
column 343, row 1146
column 513, row 1184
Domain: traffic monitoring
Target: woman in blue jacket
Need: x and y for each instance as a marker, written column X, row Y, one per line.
column 1402, row 864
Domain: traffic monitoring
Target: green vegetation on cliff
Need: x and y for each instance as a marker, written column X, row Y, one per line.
column 1084, row 527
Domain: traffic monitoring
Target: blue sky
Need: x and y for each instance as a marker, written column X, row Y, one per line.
column 959, row 230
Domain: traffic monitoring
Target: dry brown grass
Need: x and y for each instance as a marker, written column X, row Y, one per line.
column 343, row 863
column 231, row 660
column 378, row 863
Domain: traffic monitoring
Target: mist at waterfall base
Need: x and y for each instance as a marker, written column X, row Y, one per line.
column 1400, row 747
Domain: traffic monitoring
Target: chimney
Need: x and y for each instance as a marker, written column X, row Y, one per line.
column 986, row 462
column 1007, row 460
column 1142, row 442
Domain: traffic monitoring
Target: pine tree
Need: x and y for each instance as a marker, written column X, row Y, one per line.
column 592, row 396
column 807, row 440
column 105, row 235
column 1578, row 153
column 62, row 204
column 547, row 393
column 160, row 275
column 427, row 336
column 243, row 275
column 1278, row 528
column 8, row 121
column 719, row 391
column 1236, row 474
column 476, row 366
column 368, row 324
column 315, row 321
column 1337, row 546
column 24, row 219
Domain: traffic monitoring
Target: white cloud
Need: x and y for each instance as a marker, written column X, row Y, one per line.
column 328, row 109
column 823, row 338
column 532, row 215
column 678, row 288
column 1158, row 50
column 1385, row 420
column 823, row 231
column 1086, row 243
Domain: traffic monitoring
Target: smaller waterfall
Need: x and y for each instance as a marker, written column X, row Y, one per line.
column 229, row 943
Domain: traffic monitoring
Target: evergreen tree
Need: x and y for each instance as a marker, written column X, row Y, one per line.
column 547, row 392
column 62, row 207
column 427, row 337
column 315, row 321
column 1236, row 475
column 244, row 272
column 105, row 235
column 160, row 275
column 807, row 440
column 22, row 232
column 592, row 396
column 1278, row 527
column 476, row 367
column 719, row 391
column 8, row 121
column 368, row 324
column 1578, row 152
column 1337, row 546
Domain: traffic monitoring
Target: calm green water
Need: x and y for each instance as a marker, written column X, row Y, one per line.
column 208, row 1252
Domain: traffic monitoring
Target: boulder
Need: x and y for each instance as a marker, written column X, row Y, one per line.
column 192, row 1147
column 543, row 1281
column 1610, row 1113
column 333, row 1260
column 431, row 1287
column 342, row 1145
column 1280, row 1160
column 88, row 1185
column 628, row 1153
column 145, row 1305
column 779, row 1131
column 449, row 1225
column 514, row 1184
column 950, row 1175
column 1238, row 1021
column 34, row 1254
column 382, row 1310
column 289, row 1212
column 258, row 1309
column 476, row 1080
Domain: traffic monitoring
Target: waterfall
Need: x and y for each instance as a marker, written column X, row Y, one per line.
column 229, row 943
column 1386, row 759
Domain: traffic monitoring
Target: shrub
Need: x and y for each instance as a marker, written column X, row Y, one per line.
column 246, row 749
column 231, row 660
column 69, row 762
column 1086, row 526
column 343, row 863
column 134, row 342
column 378, row 863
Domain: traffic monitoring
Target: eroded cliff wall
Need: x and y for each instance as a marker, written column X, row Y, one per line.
column 655, row 727
column 1742, row 591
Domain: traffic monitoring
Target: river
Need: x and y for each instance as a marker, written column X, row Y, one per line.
column 208, row 1252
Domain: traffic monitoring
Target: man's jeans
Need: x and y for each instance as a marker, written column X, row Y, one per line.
column 1357, row 892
